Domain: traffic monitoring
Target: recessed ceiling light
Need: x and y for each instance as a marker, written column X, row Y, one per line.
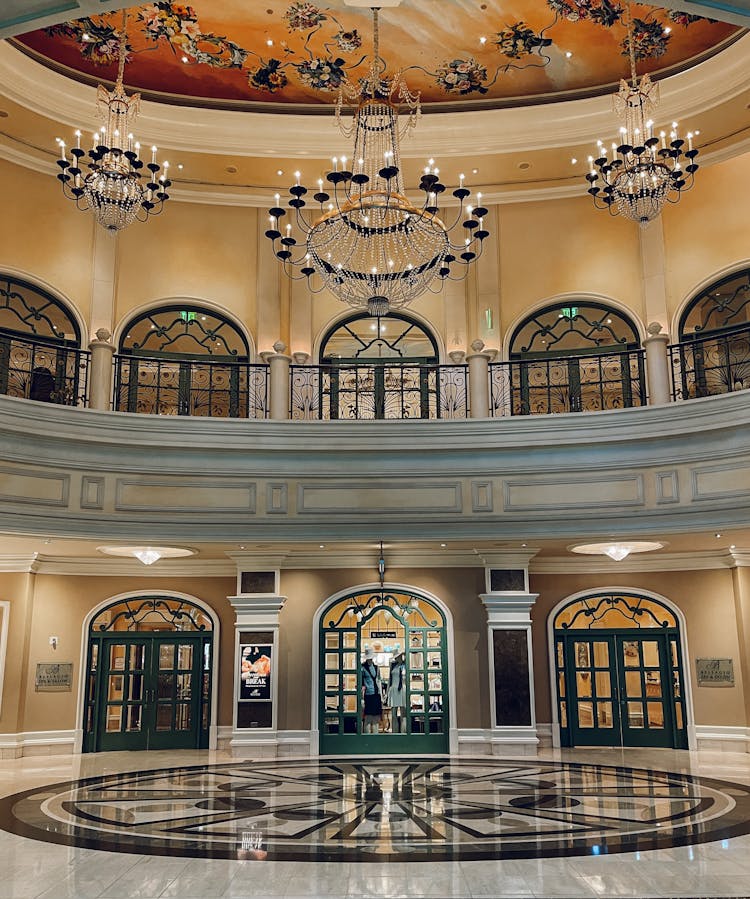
column 524, row 165
column 718, row 535
column 242, row 546
column 475, row 171
column 568, row 54
column 280, row 172
column 443, row 545
column 184, row 59
column 733, row 546
column 180, row 166
column 524, row 544
column 573, row 161
column 232, row 169
column 322, row 546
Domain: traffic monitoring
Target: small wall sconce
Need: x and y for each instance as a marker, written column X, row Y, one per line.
column 53, row 641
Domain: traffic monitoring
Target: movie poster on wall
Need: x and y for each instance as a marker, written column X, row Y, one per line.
column 255, row 671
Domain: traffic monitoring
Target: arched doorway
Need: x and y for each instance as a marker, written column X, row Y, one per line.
column 186, row 359
column 404, row 637
column 384, row 367
column 618, row 671
column 149, row 665
column 714, row 339
column 40, row 355
column 576, row 355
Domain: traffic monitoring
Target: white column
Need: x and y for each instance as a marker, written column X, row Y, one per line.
column 100, row 371
column 104, row 267
column 657, row 366
column 257, row 616
column 279, row 382
column 479, row 380
column 509, row 626
column 653, row 272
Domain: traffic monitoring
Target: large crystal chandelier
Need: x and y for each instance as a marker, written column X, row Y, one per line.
column 117, row 186
column 363, row 239
column 644, row 171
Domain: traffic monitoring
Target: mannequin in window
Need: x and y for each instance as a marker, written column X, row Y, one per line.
column 373, row 704
column 397, row 693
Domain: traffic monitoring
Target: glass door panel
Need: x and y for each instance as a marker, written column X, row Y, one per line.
column 591, row 711
column 645, row 665
column 123, row 697
column 177, row 696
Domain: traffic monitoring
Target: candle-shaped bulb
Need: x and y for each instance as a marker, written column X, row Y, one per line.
column 461, row 181
column 277, row 197
column 298, row 175
column 690, row 140
column 343, row 162
column 153, row 155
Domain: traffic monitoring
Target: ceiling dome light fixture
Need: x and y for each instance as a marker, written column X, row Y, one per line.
column 364, row 240
column 113, row 187
column 644, row 171
column 147, row 554
column 617, row 550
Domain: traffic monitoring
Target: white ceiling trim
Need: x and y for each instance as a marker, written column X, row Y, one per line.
column 561, row 124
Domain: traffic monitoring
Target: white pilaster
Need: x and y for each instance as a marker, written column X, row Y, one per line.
column 511, row 611
column 104, row 267
column 653, row 272
column 256, row 612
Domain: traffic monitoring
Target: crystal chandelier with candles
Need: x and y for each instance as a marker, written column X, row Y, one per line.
column 116, row 185
column 644, row 171
column 362, row 238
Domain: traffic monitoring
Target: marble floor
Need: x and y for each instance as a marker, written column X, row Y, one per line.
column 195, row 825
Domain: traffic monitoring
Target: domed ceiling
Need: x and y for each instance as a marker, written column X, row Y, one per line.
column 456, row 52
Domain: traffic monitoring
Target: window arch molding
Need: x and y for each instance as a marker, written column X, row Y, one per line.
column 569, row 299
column 173, row 303
column 592, row 593
column 715, row 280
column 134, row 595
column 350, row 315
column 375, row 587
column 35, row 283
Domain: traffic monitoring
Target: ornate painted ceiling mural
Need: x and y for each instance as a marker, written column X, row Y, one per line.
column 228, row 52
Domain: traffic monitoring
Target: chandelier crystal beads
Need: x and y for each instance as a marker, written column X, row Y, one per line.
column 363, row 238
column 644, row 171
column 114, row 182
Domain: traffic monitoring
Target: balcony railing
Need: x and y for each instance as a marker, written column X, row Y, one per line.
column 568, row 384
column 36, row 370
column 378, row 391
column 190, row 387
column 710, row 365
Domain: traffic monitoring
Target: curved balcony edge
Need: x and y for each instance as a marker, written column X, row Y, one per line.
column 659, row 469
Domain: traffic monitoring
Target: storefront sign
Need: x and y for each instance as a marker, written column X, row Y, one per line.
column 255, row 671
column 54, row 677
column 383, row 635
column 715, row 672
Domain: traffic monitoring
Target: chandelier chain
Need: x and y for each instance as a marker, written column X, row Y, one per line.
column 631, row 46
column 123, row 52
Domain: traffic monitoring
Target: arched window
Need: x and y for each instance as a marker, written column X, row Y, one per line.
column 714, row 335
column 722, row 307
column 393, row 338
column 185, row 359
column 575, row 356
column 39, row 345
column 619, row 672
column 573, row 328
column 186, row 331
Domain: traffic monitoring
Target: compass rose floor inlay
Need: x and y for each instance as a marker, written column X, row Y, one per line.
column 381, row 810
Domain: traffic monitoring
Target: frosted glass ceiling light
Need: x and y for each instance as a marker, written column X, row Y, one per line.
column 148, row 556
column 361, row 237
column 617, row 551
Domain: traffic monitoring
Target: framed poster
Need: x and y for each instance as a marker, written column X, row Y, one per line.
column 255, row 671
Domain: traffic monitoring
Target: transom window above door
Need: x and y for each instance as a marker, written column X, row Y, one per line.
column 183, row 330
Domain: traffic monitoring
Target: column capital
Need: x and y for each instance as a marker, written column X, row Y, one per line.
column 256, row 610
column 508, row 607
column 655, row 334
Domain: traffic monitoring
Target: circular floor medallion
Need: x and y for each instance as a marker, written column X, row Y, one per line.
column 382, row 810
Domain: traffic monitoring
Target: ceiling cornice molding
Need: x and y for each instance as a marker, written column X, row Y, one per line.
column 19, row 564
column 192, row 129
column 94, row 566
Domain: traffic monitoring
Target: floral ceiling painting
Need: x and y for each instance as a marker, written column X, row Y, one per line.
column 295, row 52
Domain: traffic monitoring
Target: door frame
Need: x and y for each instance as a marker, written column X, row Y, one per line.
column 213, row 727
column 649, row 594
column 375, row 587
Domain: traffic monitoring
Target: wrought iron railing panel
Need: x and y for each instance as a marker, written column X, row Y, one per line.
column 568, row 384
column 189, row 387
column 711, row 365
column 362, row 392
column 37, row 370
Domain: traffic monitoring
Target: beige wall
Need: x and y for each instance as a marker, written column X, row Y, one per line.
column 218, row 253
column 707, row 600
column 46, row 605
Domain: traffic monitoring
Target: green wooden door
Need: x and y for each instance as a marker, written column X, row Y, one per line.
column 153, row 691
column 622, row 689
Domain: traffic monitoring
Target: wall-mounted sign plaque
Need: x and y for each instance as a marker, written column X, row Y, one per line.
column 715, row 672
column 54, row 677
